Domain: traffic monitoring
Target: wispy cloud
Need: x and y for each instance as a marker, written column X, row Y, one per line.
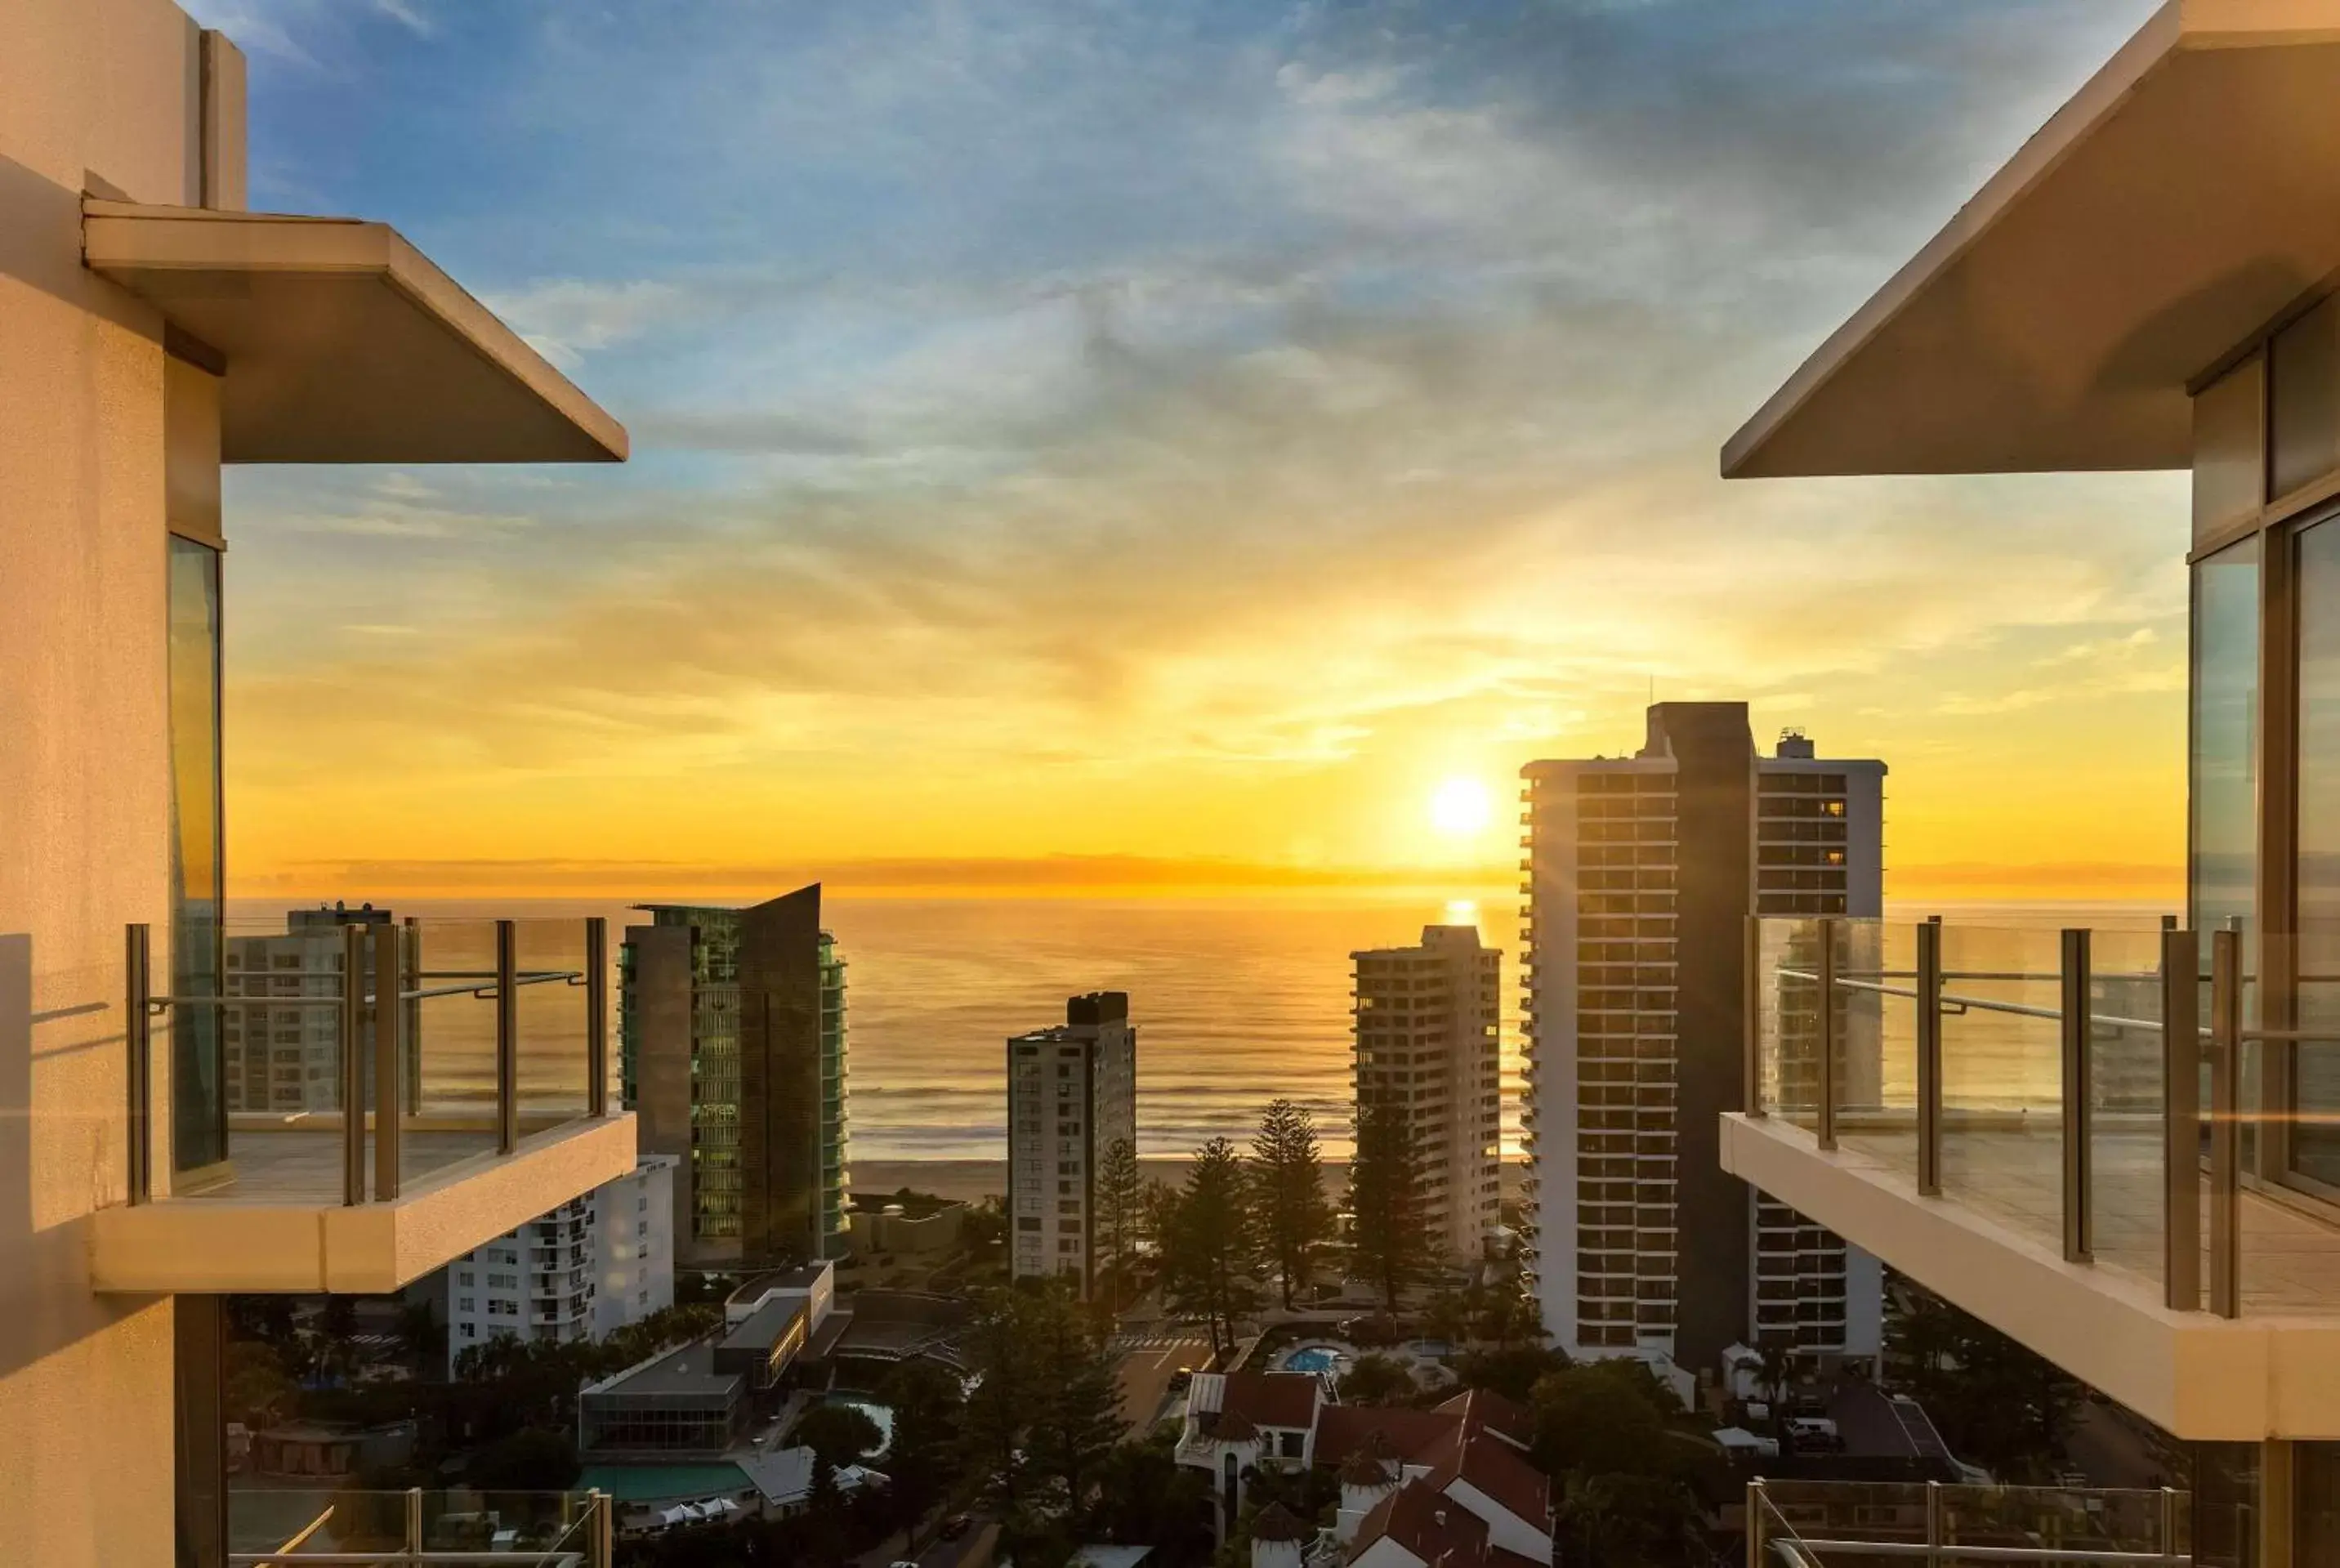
column 1124, row 430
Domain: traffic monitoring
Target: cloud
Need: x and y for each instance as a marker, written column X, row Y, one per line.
column 566, row 319
column 1100, row 430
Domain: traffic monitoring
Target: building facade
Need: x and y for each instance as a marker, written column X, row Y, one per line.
column 2148, row 282
column 732, row 1052
column 1428, row 1040
column 1072, row 1094
column 1642, row 871
column 586, row 1269
column 155, row 331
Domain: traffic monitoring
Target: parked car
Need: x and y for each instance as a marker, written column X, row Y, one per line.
column 957, row 1526
column 1182, row 1379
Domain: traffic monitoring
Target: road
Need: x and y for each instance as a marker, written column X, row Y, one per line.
column 976, row 1546
column 1149, row 1359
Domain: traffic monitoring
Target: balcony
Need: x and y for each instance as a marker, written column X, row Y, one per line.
column 271, row 1526
column 1828, row 1523
column 476, row 1100
column 2082, row 1138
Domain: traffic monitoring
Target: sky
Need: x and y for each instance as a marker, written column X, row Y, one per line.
column 1106, row 442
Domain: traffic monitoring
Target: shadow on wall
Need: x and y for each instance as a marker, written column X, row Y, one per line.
column 45, row 1305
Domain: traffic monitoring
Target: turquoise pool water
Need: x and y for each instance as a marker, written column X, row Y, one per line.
column 1314, row 1358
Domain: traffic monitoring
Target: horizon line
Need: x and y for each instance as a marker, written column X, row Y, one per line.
column 1084, row 874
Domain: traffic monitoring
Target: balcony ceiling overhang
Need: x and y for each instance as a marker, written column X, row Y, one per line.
column 2175, row 205
column 339, row 342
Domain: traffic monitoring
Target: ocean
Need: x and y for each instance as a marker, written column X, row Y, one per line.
column 1237, row 1000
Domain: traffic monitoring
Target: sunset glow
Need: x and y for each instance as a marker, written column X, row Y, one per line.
column 1029, row 490
column 1461, row 808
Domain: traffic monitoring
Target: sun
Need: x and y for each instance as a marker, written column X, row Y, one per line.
column 1461, row 808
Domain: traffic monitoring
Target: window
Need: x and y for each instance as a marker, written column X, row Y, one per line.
column 1028, row 1222
column 2225, row 764
column 198, row 1095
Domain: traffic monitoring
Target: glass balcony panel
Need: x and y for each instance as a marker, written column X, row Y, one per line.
column 553, row 1016
column 2063, row 1519
column 1876, row 1098
column 450, row 1043
column 279, row 1030
column 462, row 1528
column 2003, row 1076
column 2127, row 1101
column 1788, row 1042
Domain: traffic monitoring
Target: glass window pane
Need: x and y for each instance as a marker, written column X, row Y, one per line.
column 2316, row 1147
column 2306, row 397
column 198, row 1096
column 2229, row 459
column 2224, row 766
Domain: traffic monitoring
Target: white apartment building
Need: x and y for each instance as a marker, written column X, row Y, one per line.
column 155, row 329
column 1072, row 1093
column 1428, row 1035
column 1642, row 871
column 581, row 1272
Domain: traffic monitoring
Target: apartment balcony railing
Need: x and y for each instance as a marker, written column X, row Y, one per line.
column 450, row 1073
column 1829, row 1524
column 433, row 1080
column 294, row 1528
column 2110, row 1094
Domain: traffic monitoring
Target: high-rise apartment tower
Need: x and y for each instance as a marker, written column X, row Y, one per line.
column 732, row 1051
column 1641, row 873
column 1072, row 1093
column 1428, row 1043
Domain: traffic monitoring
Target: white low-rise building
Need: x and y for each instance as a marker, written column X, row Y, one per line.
column 584, row 1271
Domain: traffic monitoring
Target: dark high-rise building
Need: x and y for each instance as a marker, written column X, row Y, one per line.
column 1643, row 873
column 732, row 1051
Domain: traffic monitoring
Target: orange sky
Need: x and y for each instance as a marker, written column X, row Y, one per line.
column 1093, row 449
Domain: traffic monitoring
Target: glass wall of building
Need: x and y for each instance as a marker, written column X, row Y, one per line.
column 198, row 1096
column 2224, row 764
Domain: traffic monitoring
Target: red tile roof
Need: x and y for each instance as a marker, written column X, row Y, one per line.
column 1343, row 1430
column 1285, row 1399
column 1442, row 1533
column 1497, row 1470
column 1484, row 1408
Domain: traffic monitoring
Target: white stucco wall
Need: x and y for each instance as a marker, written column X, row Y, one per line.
column 91, row 91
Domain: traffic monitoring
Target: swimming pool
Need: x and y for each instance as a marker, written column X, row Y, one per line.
column 1311, row 1358
column 880, row 1414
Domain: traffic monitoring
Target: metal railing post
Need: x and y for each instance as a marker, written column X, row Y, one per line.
column 1930, row 1059
column 414, row 1521
column 597, row 1016
column 389, row 1059
column 1751, row 1093
column 1824, row 1114
column 1934, row 1531
column 410, row 961
column 2078, row 1196
column 2181, row 1113
column 1755, row 1542
column 2225, row 1166
column 2168, row 1543
column 138, row 1039
column 506, row 1037
column 605, row 1529
column 353, row 1152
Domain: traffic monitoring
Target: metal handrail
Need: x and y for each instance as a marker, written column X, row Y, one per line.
column 385, row 1008
column 159, row 1005
column 1769, row 1530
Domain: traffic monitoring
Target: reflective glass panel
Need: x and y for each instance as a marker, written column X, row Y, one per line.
column 198, row 1092
column 2316, row 1144
column 2223, row 765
